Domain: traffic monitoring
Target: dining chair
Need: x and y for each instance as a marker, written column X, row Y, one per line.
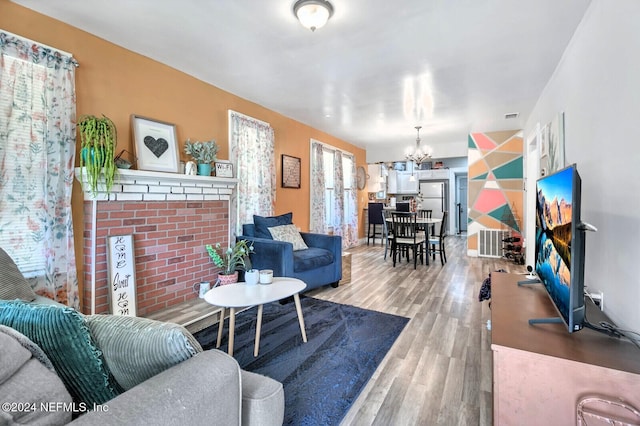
column 402, row 207
column 436, row 244
column 386, row 234
column 425, row 214
column 375, row 219
column 407, row 237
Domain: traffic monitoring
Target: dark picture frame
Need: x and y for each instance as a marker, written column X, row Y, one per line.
column 290, row 171
column 156, row 144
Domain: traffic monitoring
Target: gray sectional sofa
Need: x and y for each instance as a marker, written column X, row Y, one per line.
column 60, row 366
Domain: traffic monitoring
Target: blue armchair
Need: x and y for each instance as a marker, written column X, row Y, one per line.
column 318, row 265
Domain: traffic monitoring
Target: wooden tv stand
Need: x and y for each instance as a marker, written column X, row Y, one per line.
column 541, row 371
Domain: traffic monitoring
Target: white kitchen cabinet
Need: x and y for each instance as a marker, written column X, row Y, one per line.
column 405, row 184
column 433, row 174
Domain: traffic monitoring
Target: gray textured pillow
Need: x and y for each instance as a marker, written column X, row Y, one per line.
column 28, row 344
column 12, row 283
column 136, row 349
column 25, row 382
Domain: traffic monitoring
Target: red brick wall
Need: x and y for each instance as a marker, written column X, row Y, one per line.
column 169, row 239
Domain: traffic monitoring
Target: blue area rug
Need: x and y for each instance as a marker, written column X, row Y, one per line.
column 323, row 377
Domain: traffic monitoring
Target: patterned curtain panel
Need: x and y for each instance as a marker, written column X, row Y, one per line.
column 338, row 186
column 252, row 154
column 37, row 148
column 318, row 222
column 333, row 193
column 350, row 226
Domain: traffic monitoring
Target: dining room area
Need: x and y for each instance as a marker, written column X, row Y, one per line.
column 408, row 234
column 412, row 208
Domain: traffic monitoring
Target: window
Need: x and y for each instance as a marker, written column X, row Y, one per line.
column 37, row 150
column 349, row 188
column 331, row 220
column 251, row 143
column 329, row 193
column 23, row 171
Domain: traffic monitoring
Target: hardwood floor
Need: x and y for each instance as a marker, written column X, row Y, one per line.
column 439, row 369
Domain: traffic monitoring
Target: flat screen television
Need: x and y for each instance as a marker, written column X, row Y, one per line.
column 560, row 245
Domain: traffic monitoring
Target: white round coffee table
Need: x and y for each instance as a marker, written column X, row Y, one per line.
column 241, row 295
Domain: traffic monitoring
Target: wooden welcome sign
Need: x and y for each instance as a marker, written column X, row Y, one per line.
column 122, row 275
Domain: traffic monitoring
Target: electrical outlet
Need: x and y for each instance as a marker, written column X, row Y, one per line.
column 598, row 299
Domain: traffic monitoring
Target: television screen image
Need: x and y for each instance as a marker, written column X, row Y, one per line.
column 560, row 244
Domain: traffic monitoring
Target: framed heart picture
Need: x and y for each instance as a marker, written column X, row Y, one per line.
column 156, row 144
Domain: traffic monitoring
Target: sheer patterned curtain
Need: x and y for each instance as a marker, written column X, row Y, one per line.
column 350, row 226
column 333, row 193
column 37, row 149
column 338, row 187
column 318, row 220
column 251, row 144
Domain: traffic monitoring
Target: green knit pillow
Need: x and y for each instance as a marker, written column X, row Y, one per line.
column 136, row 349
column 62, row 334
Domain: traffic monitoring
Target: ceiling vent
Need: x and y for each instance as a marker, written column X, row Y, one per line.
column 511, row 115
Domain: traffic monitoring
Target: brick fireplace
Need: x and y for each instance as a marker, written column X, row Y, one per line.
column 171, row 218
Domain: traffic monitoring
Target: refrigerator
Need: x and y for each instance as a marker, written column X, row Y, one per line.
column 433, row 196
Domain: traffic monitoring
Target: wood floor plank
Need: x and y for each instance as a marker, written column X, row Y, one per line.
column 439, row 369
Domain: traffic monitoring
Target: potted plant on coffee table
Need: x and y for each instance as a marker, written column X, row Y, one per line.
column 98, row 142
column 204, row 153
column 230, row 260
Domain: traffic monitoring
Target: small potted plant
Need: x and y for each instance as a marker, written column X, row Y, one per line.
column 231, row 260
column 204, row 153
column 98, row 142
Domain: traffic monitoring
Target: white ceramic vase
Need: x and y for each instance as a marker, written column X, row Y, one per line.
column 252, row 276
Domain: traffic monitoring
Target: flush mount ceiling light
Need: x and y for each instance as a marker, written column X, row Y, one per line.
column 418, row 155
column 313, row 14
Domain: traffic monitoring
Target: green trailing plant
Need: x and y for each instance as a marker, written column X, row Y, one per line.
column 202, row 152
column 233, row 258
column 99, row 138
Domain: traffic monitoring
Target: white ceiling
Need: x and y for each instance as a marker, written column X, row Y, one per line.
column 374, row 72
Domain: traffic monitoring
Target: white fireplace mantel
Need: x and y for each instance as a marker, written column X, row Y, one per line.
column 141, row 185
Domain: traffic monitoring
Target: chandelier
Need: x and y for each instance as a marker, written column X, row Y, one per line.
column 417, row 155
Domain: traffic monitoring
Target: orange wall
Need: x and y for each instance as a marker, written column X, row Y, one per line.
column 117, row 83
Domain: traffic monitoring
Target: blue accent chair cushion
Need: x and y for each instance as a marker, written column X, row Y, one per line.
column 65, row 338
column 311, row 258
column 263, row 223
column 318, row 265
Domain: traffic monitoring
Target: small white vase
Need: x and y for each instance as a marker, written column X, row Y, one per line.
column 252, row 276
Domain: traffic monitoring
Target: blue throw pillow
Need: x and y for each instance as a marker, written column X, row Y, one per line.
column 263, row 223
column 62, row 334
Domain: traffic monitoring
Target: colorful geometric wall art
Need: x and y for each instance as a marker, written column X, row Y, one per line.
column 496, row 194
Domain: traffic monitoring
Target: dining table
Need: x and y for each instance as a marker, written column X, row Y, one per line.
column 421, row 220
column 425, row 221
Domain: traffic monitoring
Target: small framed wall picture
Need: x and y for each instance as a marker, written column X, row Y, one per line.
column 224, row 169
column 290, row 171
column 155, row 143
